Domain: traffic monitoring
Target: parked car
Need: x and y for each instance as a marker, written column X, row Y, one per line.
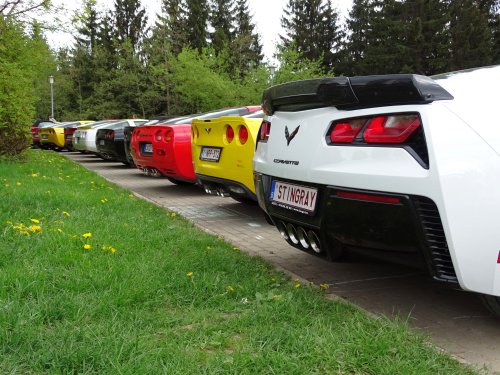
column 53, row 136
column 110, row 140
column 84, row 136
column 38, row 124
column 69, row 131
column 223, row 150
column 165, row 149
column 127, row 135
column 398, row 166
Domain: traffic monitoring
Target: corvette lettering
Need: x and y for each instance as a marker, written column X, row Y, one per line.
column 287, row 162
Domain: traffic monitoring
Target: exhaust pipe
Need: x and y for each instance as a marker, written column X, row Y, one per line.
column 314, row 241
column 292, row 233
column 302, row 237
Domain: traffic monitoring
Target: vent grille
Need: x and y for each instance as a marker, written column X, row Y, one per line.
column 435, row 239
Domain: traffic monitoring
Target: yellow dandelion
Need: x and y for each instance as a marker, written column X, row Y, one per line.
column 230, row 289
column 65, row 213
column 35, row 228
column 297, row 283
column 87, row 246
column 19, row 226
column 113, row 250
column 34, row 175
column 104, row 200
column 235, row 249
column 87, row 235
column 25, row 232
column 36, row 221
column 324, row 286
column 173, row 214
column 189, row 274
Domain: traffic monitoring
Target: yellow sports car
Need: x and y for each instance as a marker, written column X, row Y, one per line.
column 223, row 150
column 53, row 137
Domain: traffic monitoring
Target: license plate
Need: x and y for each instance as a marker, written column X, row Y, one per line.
column 294, row 197
column 147, row 148
column 210, row 154
column 101, row 142
column 45, row 136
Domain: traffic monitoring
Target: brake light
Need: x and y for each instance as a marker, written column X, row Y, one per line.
column 265, row 129
column 243, row 134
column 158, row 135
column 391, row 129
column 346, row 131
column 229, row 134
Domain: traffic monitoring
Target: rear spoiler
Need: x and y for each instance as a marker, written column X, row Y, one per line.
column 350, row 93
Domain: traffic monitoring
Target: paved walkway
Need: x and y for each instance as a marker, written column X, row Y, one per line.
column 456, row 321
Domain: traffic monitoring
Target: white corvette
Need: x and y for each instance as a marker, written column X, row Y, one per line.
column 399, row 166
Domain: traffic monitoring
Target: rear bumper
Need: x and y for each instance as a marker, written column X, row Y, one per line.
column 223, row 187
column 407, row 230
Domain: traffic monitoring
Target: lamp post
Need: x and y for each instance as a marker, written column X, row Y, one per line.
column 51, row 81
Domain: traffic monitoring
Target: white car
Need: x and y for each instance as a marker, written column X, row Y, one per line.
column 404, row 167
column 84, row 136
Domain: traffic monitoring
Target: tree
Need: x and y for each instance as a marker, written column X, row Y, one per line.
column 246, row 47
column 221, row 20
column 130, row 21
column 312, row 26
column 197, row 18
column 293, row 66
column 471, row 37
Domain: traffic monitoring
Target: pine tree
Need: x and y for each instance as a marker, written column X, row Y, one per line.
column 312, row 26
column 471, row 36
column 197, row 18
column 221, row 20
column 130, row 21
column 170, row 28
column 246, row 46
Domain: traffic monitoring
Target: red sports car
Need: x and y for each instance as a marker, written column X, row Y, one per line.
column 165, row 149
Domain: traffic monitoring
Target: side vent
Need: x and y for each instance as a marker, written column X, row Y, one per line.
column 435, row 239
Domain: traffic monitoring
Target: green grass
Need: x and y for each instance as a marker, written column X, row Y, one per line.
column 130, row 305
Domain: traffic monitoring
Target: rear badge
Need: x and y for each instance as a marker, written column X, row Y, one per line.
column 289, row 136
column 208, row 130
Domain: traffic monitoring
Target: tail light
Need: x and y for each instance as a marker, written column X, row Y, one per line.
column 109, row 135
column 243, row 134
column 265, row 129
column 229, row 134
column 394, row 128
column 158, row 135
column 169, row 134
column 391, row 129
column 346, row 131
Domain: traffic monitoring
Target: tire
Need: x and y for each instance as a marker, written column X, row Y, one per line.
column 179, row 182
column 492, row 303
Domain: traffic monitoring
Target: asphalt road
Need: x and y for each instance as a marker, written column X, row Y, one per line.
column 454, row 320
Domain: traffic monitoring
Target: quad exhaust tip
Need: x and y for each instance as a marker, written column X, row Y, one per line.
column 307, row 238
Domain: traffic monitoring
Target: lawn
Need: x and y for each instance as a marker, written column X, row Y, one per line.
column 95, row 280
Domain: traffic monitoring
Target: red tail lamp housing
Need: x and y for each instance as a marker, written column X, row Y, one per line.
column 229, row 134
column 110, row 134
column 243, row 134
column 391, row 128
column 169, row 134
column 265, row 130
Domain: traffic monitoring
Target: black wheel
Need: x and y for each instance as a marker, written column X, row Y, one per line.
column 179, row 182
column 492, row 303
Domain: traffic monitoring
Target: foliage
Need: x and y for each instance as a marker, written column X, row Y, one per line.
column 293, row 66
column 17, row 95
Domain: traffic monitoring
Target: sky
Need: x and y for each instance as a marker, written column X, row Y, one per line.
column 266, row 15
